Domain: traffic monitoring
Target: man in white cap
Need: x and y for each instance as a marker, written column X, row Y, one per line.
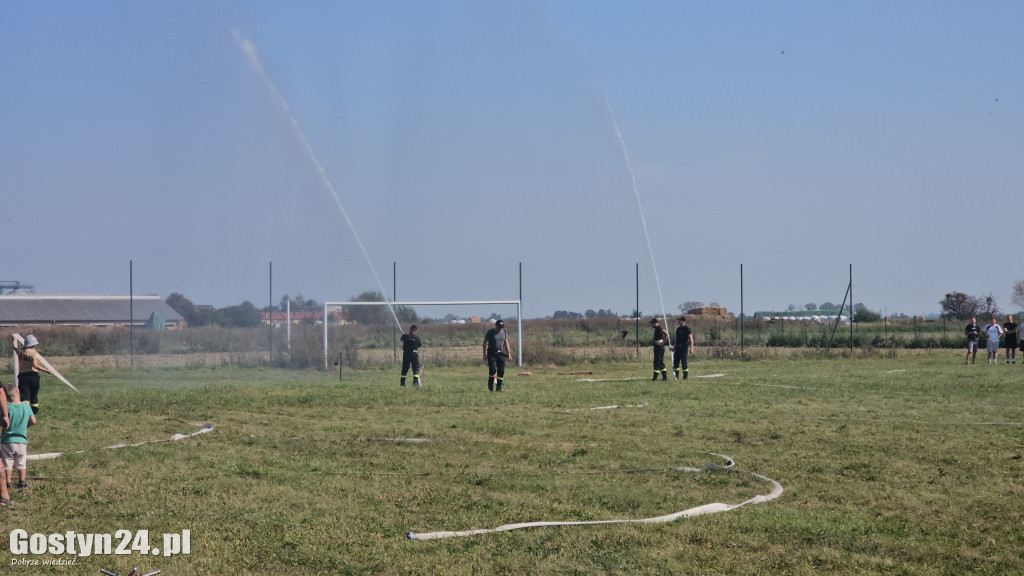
column 28, row 371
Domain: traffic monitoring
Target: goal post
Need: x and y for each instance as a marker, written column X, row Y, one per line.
column 517, row 303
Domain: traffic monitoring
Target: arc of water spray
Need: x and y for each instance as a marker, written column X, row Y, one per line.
column 640, row 206
column 249, row 49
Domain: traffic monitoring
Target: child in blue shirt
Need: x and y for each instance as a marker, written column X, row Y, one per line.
column 14, row 440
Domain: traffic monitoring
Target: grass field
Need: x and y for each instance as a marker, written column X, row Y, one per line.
column 890, row 465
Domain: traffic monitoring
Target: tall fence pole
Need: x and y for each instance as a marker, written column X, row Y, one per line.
column 637, row 309
column 394, row 298
column 270, row 315
column 131, row 316
column 851, row 309
column 519, row 314
column 741, row 309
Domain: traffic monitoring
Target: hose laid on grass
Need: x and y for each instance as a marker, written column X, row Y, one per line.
column 612, row 407
column 712, row 508
column 203, row 429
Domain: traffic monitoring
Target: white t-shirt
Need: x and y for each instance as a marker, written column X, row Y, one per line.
column 993, row 331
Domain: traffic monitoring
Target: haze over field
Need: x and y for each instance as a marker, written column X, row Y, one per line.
column 463, row 138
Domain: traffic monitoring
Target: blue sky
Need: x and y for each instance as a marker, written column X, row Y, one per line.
column 463, row 138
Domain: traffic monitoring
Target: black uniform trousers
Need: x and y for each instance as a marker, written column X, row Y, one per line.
column 659, row 358
column 410, row 359
column 679, row 357
column 495, row 366
column 28, row 386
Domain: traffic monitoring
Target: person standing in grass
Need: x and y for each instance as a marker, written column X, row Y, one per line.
column 14, row 440
column 496, row 351
column 993, row 331
column 411, row 356
column 28, row 370
column 683, row 348
column 658, row 341
column 1010, row 338
column 4, row 419
column 972, row 332
column 5, row 494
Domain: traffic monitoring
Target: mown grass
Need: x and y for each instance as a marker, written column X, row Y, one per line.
column 896, row 465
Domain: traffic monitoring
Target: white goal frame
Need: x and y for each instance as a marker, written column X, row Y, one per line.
column 518, row 304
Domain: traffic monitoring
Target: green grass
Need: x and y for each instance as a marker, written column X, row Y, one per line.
column 907, row 465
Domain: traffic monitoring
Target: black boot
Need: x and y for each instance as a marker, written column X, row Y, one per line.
column 403, row 381
column 490, row 384
column 664, row 375
column 686, row 374
column 655, row 377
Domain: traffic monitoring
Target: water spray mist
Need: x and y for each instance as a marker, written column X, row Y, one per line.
column 640, row 206
column 250, row 52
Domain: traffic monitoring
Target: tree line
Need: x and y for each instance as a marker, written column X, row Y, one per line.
column 244, row 315
column 955, row 306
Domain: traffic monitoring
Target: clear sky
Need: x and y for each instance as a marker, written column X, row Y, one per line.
column 465, row 137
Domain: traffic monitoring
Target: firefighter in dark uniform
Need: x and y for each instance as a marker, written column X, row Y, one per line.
column 683, row 348
column 411, row 356
column 659, row 341
column 496, row 351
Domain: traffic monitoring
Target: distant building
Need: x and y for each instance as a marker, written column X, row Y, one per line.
column 21, row 309
column 15, row 286
column 298, row 316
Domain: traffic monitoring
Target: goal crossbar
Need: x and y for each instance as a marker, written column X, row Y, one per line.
column 518, row 304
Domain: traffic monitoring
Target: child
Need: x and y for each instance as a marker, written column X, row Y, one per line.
column 3, row 409
column 14, row 440
column 5, row 495
column 28, row 377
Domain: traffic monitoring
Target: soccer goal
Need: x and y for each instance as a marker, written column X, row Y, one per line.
column 517, row 303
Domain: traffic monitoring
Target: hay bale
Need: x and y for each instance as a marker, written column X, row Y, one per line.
column 709, row 312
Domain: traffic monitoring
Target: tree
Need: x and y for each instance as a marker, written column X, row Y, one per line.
column 298, row 303
column 685, row 307
column 203, row 316
column 244, row 315
column 181, row 305
column 811, row 306
column 989, row 308
column 367, row 314
column 1017, row 296
column 827, row 306
column 791, row 308
column 862, row 313
column 960, row 306
column 406, row 314
column 195, row 316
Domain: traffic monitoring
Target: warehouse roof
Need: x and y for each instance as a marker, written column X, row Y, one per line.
column 24, row 309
